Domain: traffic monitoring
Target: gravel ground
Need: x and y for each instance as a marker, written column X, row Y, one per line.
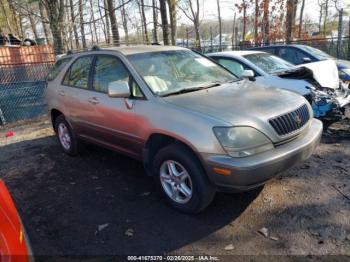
column 101, row 203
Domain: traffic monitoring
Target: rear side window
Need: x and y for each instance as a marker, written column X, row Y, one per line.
column 232, row 65
column 78, row 74
column 57, row 68
column 108, row 69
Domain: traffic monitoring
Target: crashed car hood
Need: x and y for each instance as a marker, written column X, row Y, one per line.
column 242, row 102
column 325, row 73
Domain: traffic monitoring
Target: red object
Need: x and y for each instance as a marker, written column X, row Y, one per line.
column 9, row 133
column 13, row 246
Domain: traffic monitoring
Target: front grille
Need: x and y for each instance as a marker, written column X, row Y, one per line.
column 290, row 122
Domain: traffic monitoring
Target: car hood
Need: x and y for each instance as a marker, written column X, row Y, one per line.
column 295, row 85
column 325, row 73
column 240, row 103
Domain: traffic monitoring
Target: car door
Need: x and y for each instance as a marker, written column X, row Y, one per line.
column 293, row 55
column 76, row 94
column 113, row 119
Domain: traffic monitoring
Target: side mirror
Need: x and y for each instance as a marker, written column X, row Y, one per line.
column 248, row 74
column 118, row 89
column 306, row 60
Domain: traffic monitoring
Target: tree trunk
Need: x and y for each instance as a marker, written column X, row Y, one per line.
column 244, row 21
column 233, row 38
column 76, row 36
column 198, row 38
column 256, row 22
column 266, row 22
column 320, row 18
column 155, row 21
column 14, row 17
column 144, row 21
column 6, row 18
column 165, row 24
column 108, row 28
column 289, row 23
column 55, row 11
column 325, row 18
column 93, row 21
column 45, row 25
column 301, row 18
column 124, row 22
column 114, row 23
column 82, row 24
column 172, row 14
column 220, row 26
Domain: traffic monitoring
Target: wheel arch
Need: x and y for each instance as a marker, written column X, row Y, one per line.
column 156, row 141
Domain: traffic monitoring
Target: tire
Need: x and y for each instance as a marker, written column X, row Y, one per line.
column 193, row 177
column 68, row 140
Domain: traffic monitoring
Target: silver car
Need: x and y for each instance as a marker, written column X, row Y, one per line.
column 195, row 126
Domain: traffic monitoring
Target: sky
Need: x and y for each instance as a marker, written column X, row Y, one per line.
column 227, row 9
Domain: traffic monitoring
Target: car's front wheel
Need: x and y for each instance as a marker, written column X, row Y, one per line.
column 66, row 136
column 181, row 179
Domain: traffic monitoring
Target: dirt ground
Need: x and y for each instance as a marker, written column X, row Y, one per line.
column 101, row 203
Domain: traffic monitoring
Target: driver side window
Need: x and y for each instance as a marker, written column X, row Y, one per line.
column 109, row 69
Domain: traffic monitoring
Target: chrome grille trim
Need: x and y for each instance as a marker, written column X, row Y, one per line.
column 290, row 122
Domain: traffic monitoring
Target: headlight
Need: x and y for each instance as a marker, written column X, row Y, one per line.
column 242, row 141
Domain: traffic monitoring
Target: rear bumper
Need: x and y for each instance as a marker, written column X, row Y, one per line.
column 251, row 172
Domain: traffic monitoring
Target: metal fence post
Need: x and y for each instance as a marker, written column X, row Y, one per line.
column 340, row 31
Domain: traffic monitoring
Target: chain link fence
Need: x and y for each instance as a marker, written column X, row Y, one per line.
column 328, row 45
column 22, row 85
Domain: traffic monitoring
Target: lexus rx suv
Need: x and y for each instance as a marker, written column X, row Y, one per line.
column 196, row 127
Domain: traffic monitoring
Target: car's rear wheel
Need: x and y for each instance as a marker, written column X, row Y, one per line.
column 66, row 136
column 181, row 179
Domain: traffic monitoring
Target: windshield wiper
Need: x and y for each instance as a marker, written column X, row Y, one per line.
column 191, row 89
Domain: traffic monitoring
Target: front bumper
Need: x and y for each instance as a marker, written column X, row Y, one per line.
column 253, row 171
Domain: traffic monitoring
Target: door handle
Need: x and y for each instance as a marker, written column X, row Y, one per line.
column 61, row 93
column 93, row 100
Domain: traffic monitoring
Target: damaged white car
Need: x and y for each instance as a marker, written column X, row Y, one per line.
column 318, row 82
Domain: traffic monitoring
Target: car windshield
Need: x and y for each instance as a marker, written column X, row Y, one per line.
column 171, row 72
column 269, row 63
column 316, row 52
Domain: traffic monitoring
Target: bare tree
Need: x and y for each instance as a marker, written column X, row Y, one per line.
column 114, row 22
column 75, row 31
column 220, row 26
column 82, row 24
column 291, row 7
column 165, row 24
column 124, row 21
column 56, row 11
column 32, row 22
column 321, row 5
column 242, row 7
column 108, row 28
column 301, row 18
column 266, row 22
column 155, row 21
column 172, row 14
column 144, row 21
column 326, row 5
column 93, row 21
column 190, row 8
column 256, row 21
